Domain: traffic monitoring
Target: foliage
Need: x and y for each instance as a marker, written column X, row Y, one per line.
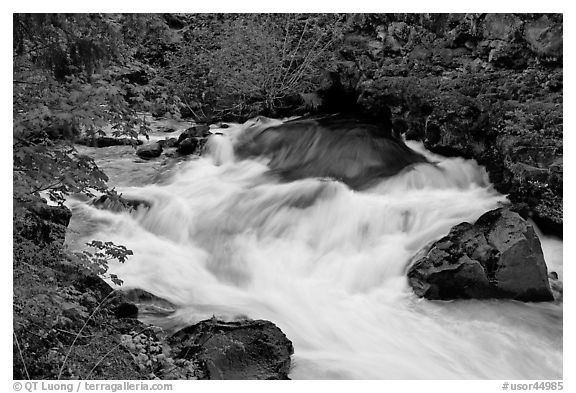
column 70, row 77
column 56, row 313
column 250, row 64
column 97, row 261
column 57, row 170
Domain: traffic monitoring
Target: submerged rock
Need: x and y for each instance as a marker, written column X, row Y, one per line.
column 192, row 140
column 119, row 204
column 189, row 145
column 352, row 150
column 235, row 350
column 150, row 150
column 149, row 304
column 497, row 257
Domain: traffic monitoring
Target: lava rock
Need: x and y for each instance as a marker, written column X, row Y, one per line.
column 249, row 349
column 498, row 257
column 150, row 150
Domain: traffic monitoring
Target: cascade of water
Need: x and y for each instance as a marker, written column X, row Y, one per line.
column 327, row 265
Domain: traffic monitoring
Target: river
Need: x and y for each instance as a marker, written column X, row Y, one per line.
column 325, row 263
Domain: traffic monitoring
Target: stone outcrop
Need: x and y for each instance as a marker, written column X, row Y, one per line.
column 497, row 257
column 482, row 86
column 40, row 222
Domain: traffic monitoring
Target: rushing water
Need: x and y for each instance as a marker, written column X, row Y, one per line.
column 325, row 263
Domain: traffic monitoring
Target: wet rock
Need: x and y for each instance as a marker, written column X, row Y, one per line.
column 556, row 285
column 150, row 150
column 193, row 139
column 168, row 142
column 189, row 146
column 149, row 304
column 354, row 151
column 497, row 257
column 198, row 131
column 235, row 350
column 118, row 203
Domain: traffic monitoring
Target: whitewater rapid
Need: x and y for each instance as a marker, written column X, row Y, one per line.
column 327, row 265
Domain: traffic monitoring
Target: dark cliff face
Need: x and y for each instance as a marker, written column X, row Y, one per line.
column 482, row 86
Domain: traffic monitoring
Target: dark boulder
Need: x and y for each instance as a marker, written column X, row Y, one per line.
column 189, row 146
column 193, row 139
column 498, row 257
column 150, row 150
column 235, row 350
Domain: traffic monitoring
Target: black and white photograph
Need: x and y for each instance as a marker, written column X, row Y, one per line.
column 287, row 196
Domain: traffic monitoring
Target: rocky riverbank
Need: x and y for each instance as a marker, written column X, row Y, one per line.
column 482, row 86
column 70, row 324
